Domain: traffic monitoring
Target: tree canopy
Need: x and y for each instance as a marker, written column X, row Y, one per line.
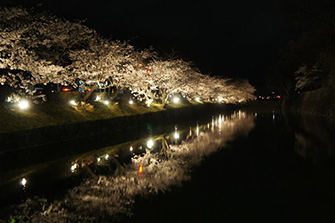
column 39, row 48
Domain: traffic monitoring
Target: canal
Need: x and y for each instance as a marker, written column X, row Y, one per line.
column 235, row 166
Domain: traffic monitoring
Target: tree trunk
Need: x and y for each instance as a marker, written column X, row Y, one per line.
column 164, row 97
column 116, row 93
column 89, row 93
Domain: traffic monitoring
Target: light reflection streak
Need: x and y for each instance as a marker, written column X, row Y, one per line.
column 115, row 195
column 23, row 182
column 273, row 116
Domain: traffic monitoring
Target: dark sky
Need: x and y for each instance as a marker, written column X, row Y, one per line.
column 239, row 38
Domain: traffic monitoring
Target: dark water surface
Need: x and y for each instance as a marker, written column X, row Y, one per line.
column 234, row 167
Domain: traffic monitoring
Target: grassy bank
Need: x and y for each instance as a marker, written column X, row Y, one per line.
column 62, row 112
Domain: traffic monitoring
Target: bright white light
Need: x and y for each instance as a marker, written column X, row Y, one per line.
column 197, row 99
column 150, row 143
column 106, row 157
column 98, row 98
column 176, row 135
column 98, row 159
column 176, row 100
column 24, row 104
column 23, row 182
column 106, row 102
column 131, row 102
column 149, row 102
column 220, row 100
column 74, row 167
column 72, row 102
column 131, row 149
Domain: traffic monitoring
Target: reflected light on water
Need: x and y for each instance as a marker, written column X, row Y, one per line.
column 140, row 169
column 23, row 182
column 113, row 194
column 150, row 143
column 176, row 134
column 74, row 167
column 273, row 115
column 197, row 130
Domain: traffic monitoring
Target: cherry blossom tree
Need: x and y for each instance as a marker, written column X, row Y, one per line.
column 308, row 78
column 38, row 48
column 38, row 45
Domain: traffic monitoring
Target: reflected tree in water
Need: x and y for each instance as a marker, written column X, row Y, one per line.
column 107, row 197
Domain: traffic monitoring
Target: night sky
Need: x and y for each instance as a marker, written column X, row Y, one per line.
column 240, row 38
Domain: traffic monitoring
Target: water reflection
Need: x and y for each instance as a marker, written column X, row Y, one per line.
column 155, row 164
column 314, row 139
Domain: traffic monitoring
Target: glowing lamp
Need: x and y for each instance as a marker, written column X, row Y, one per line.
column 176, row 135
column 106, row 102
column 131, row 102
column 176, row 100
column 149, row 71
column 23, row 105
column 72, row 102
column 66, row 89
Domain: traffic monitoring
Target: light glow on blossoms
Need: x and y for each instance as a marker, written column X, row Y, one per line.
column 149, row 102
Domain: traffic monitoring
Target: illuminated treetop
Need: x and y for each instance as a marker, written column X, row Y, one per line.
column 38, row 48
